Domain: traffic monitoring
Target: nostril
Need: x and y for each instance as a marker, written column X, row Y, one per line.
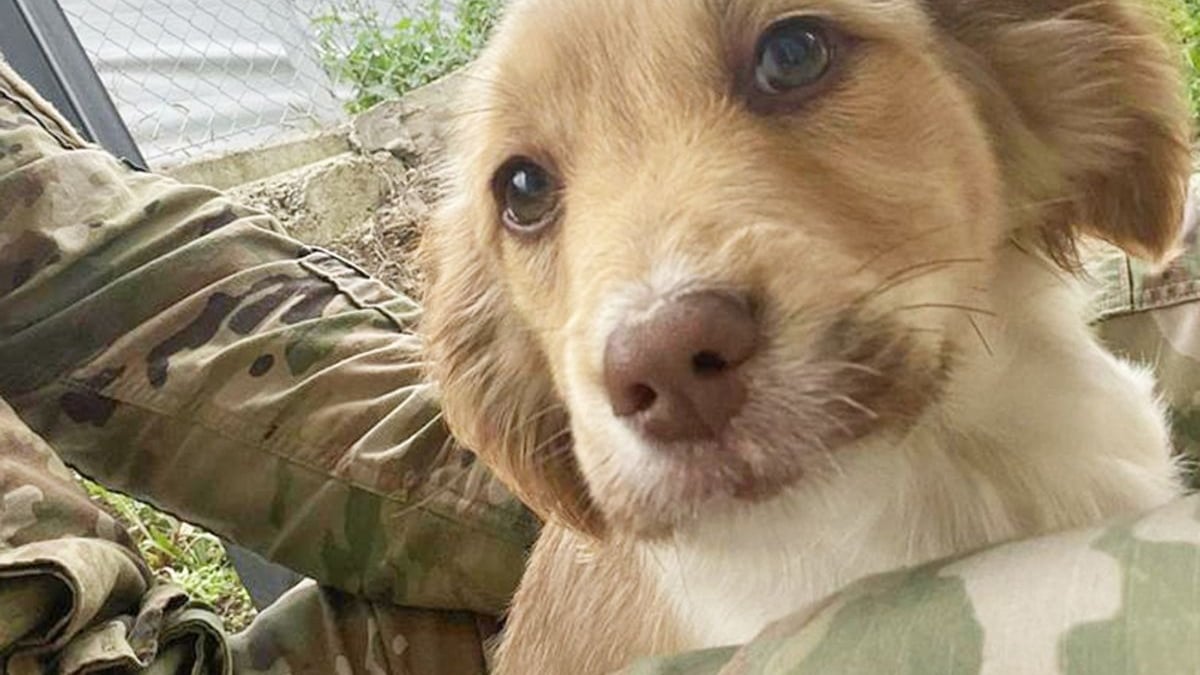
column 675, row 373
column 642, row 398
column 708, row 363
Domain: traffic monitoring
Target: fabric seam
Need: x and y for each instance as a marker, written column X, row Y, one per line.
column 145, row 405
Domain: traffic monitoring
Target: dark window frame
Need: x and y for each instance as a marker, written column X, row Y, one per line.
column 39, row 43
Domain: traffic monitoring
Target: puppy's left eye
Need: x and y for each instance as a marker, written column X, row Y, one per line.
column 793, row 54
column 528, row 195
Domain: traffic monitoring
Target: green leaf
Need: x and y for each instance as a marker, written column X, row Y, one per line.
column 417, row 49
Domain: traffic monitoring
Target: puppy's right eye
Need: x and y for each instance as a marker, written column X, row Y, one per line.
column 528, row 195
column 793, row 54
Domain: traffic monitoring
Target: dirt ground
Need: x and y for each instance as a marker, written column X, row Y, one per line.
column 381, row 229
column 385, row 244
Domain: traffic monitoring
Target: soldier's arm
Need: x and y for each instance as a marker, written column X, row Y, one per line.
column 1112, row 600
column 177, row 346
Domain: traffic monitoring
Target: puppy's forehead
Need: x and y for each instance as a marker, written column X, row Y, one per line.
column 557, row 60
column 550, row 51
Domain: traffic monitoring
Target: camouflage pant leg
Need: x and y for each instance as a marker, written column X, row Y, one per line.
column 74, row 596
column 175, row 346
column 317, row 631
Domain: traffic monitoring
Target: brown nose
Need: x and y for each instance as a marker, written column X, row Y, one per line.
column 675, row 372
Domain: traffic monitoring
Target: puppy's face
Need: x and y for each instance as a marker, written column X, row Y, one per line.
column 695, row 247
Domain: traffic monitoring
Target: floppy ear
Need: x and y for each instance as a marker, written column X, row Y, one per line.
column 1093, row 130
column 494, row 383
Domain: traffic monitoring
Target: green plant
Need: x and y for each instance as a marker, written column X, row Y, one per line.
column 1184, row 18
column 182, row 554
column 1189, row 32
column 383, row 61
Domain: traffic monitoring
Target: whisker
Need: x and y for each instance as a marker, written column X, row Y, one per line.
column 687, row 592
column 1043, row 203
column 539, row 450
column 468, row 74
column 849, row 401
column 948, row 305
column 548, row 410
column 831, row 458
column 931, row 263
column 829, row 417
column 852, row 366
column 979, row 332
column 906, row 276
column 900, row 247
column 470, row 112
column 808, row 317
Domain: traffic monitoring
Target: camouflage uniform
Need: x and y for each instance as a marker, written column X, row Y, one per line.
column 1123, row 598
column 180, row 348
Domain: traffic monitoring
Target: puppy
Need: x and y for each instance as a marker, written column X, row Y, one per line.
column 751, row 298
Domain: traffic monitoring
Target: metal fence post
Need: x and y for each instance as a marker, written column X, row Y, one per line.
column 40, row 44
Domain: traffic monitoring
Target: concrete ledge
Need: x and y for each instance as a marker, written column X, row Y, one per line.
column 411, row 127
column 256, row 164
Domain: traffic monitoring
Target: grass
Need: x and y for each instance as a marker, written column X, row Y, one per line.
column 1184, row 17
column 381, row 61
column 182, row 554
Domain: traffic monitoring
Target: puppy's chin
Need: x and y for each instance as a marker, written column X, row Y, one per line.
column 862, row 379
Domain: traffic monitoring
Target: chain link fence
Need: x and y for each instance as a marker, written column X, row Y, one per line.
column 196, row 78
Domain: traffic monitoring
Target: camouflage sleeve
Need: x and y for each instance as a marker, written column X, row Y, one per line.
column 177, row 347
column 1113, row 600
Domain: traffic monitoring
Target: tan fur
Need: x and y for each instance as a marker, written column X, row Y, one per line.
column 862, row 219
column 604, row 628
